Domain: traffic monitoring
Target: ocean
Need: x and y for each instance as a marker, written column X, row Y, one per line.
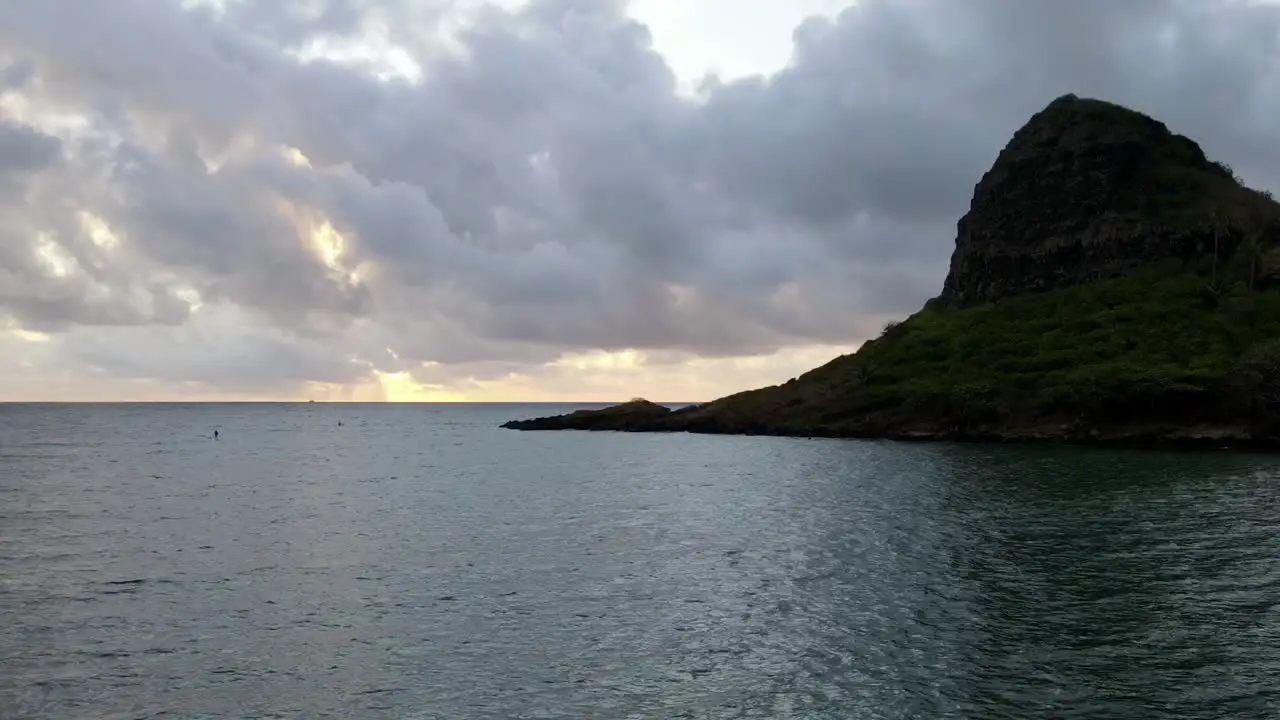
column 416, row 561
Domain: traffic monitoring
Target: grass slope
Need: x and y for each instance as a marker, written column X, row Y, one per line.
column 1181, row 340
column 1171, row 346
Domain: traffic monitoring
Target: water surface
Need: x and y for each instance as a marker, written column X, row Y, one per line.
column 418, row 562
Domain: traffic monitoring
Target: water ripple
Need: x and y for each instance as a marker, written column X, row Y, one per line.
column 418, row 563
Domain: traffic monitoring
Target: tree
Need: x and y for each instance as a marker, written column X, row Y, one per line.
column 1220, row 223
column 1252, row 246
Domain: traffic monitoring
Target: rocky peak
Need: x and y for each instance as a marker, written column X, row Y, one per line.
column 1089, row 189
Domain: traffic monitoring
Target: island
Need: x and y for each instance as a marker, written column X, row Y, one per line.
column 1110, row 284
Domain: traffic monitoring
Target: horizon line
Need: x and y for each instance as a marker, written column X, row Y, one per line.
column 342, row 402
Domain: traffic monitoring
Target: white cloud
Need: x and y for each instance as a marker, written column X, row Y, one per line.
column 197, row 200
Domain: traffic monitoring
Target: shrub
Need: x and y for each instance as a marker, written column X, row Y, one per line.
column 1161, row 332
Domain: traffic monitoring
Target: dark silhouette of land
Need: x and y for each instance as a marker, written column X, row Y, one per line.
column 1109, row 284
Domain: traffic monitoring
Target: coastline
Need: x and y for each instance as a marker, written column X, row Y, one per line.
column 1110, row 286
column 1136, row 437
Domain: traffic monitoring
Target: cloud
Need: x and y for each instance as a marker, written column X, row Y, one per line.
column 241, row 362
column 536, row 185
column 25, row 149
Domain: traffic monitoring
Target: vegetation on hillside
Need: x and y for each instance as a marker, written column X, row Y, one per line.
column 1109, row 283
column 1173, row 346
column 1171, row 336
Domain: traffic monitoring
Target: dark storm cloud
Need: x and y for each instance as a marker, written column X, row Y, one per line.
column 544, row 187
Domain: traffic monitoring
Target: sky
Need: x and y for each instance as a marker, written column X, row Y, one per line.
column 546, row 200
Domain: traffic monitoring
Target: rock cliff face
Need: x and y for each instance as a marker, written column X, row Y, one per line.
column 1109, row 284
column 1086, row 190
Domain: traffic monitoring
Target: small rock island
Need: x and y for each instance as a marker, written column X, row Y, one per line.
column 1109, row 285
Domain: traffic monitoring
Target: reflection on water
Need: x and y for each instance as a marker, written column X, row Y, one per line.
column 416, row 562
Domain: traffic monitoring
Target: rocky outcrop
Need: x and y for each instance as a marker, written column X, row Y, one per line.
column 1087, row 190
column 638, row 414
column 1109, row 285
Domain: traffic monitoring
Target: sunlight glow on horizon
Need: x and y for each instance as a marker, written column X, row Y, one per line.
column 400, row 387
column 586, row 378
column 694, row 41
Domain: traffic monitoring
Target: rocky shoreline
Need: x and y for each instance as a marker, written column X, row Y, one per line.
column 644, row 417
